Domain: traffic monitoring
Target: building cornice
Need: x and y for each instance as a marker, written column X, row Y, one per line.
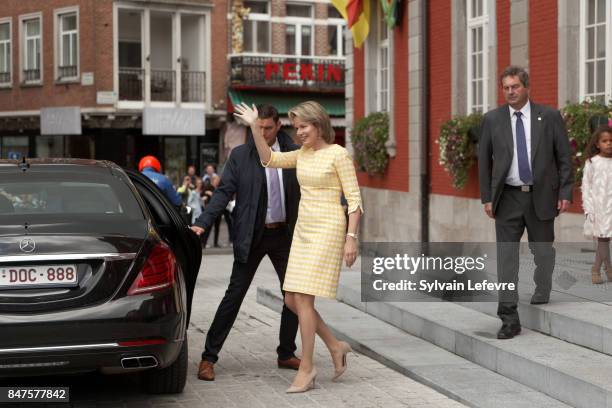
column 189, row 3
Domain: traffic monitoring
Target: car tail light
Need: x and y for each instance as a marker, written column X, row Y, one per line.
column 157, row 273
column 147, row 342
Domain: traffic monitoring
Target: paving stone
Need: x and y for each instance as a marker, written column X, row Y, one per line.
column 246, row 373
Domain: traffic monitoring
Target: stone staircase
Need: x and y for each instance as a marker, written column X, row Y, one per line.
column 562, row 357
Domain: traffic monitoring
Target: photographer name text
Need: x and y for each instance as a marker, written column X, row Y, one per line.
column 433, row 286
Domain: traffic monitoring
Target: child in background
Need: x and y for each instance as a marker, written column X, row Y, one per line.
column 597, row 199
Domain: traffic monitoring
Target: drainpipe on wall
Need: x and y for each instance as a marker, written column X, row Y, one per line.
column 426, row 157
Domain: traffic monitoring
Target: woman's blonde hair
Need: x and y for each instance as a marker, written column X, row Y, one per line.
column 313, row 113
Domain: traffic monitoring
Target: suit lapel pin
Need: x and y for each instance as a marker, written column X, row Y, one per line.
column 539, row 118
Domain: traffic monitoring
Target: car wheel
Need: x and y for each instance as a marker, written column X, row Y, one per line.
column 169, row 380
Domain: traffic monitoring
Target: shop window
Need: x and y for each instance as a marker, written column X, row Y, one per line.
column 49, row 146
column 14, row 147
column 595, row 49
column 175, row 162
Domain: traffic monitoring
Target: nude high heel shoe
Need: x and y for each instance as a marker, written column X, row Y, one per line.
column 596, row 276
column 346, row 348
column 608, row 269
column 310, row 384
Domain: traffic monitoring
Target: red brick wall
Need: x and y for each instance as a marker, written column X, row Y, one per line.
column 96, row 55
column 320, row 34
column 543, row 51
column 543, row 62
column 396, row 177
column 278, row 29
column 440, row 86
column 440, row 83
column 503, row 41
column 358, row 84
column 219, row 32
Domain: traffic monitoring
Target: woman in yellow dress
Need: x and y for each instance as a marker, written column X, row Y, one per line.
column 320, row 241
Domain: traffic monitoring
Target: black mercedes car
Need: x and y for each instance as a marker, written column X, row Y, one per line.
column 97, row 272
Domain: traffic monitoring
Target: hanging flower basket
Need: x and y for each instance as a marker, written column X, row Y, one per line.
column 581, row 120
column 368, row 138
column 458, row 139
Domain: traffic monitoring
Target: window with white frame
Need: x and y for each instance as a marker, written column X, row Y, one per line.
column 382, row 64
column 67, row 45
column 335, row 32
column 257, row 27
column 5, row 53
column 32, row 43
column 299, row 30
column 595, row 49
column 477, row 52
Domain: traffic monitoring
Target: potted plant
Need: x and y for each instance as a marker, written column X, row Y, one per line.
column 368, row 138
column 458, row 140
column 581, row 119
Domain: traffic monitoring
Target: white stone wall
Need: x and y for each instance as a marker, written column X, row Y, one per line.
column 390, row 216
column 456, row 219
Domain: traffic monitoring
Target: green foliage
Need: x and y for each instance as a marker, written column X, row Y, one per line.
column 457, row 149
column 577, row 117
column 368, row 138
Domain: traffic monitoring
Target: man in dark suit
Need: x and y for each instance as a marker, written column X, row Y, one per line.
column 525, row 182
column 264, row 218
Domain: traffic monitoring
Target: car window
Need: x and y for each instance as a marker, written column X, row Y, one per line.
column 61, row 194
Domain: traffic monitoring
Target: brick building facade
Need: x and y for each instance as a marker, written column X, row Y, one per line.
column 113, row 80
column 444, row 59
column 289, row 52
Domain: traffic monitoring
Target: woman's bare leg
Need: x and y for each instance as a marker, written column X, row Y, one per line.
column 333, row 345
column 307, row 317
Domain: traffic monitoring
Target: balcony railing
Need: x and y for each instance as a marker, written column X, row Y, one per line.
column 193, row 86
column 162, row 85
column 287, row 72
column 67, row 71
column 31, row 75
column 5, row 77
column 131, row 84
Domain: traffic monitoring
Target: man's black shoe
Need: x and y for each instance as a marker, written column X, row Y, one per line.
column 540, row 298
column 508, row 331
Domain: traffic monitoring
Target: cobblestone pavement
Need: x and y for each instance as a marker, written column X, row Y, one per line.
column 247, row 375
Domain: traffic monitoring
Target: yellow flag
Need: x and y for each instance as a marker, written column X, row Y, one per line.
column 357, row 14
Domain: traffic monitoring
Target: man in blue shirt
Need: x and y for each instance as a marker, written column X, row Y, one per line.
column 151, row 167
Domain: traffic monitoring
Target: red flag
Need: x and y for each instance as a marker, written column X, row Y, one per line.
column 354, row 9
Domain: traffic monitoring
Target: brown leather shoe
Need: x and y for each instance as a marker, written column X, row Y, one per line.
column 292, row 363
column 206, row 371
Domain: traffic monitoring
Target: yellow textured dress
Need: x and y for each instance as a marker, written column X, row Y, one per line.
column 317, row 248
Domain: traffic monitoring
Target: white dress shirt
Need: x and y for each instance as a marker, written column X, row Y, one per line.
column 276, row 148
column 513, row 177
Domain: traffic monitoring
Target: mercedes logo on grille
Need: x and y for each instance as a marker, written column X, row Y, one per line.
column 27, row 245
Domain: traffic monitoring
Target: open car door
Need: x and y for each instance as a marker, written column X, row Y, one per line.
column 173, row 229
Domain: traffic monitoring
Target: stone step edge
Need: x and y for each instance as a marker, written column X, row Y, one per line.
column 545, row 319
column 272, row 299
column 599, row 392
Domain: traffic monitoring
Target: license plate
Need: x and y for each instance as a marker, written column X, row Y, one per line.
column 40, row 275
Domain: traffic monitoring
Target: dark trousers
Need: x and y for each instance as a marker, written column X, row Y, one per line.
column 217, row 227
column 276, row 244
column 514, row 213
